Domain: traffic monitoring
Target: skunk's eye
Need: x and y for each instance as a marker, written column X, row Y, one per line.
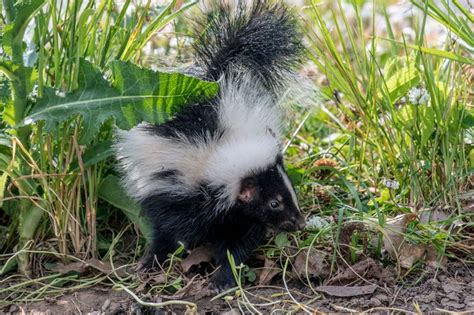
column 274, row 204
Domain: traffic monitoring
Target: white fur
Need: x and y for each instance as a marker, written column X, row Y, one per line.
column 289, row 186
column 250, row 143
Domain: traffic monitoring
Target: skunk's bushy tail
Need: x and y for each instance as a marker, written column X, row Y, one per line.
column 260, row 38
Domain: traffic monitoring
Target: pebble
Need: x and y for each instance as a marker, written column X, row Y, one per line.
column 374, row 302
column 382, row 297
column 429, row 297
column 455, row 305
column 451, row 286
column 105, row 305
column 453, row 296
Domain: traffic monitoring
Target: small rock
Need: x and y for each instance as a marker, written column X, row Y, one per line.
column 105, row 305
column 455, row 305
column 136, row 309
column 382, row 297
column 469, row 301
column 433, row 282
column 453, row 296
column 451, row 286
column 471, row 285
column 13, row 309
column 429, row 297
column 374, row 302
column 445, row 301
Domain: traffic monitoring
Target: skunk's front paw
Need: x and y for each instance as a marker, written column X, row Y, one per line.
column 221, row 281
column 146, row 263
column 150, row 262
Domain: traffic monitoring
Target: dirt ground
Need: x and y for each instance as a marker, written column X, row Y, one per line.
column 451, row 290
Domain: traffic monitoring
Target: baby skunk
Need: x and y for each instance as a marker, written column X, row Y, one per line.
column 214, row 173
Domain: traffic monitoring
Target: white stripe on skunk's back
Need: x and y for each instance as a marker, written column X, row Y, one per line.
column 250, row 142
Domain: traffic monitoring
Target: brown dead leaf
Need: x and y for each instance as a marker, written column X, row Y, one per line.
column 433, row 215
column 160, row 278
column 196, row 288
column 366, row 269
column 407, row 253
column 268, row 272
column 78, row 267
column 467, row 201
column 317, row 265
column 433, row 260
column 198, row 255
column 394, row 242
column 91, row 264
column 341, row 291
column 410, row 253
column 346, row 234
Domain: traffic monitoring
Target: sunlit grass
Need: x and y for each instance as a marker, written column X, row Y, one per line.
column 391, row 138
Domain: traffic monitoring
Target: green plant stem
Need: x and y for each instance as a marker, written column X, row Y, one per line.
column 31, row 218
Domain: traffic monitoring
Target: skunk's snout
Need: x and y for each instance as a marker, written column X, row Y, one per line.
column 294, row 224
column 298, row 222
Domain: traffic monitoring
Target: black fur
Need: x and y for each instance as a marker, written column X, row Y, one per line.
column 240, row 230
column 195, row 122
column 262, row 40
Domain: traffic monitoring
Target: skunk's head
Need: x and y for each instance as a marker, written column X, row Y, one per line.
column 269, row 197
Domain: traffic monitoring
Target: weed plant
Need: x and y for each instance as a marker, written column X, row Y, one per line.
column 391, row 138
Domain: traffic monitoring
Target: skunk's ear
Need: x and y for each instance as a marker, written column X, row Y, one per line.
column 248, row 190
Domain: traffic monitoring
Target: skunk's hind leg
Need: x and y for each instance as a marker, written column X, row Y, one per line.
column 160, row 247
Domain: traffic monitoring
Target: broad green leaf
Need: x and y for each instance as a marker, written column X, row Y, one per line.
column 27, row 76
column 384, row 196
column 135, row 95
column 20, row 12
column 9, row 266
column 5, row 140
column 98, row 152
column 5, row 92
column 30, row 218
column 427, row 125
column 111, row 191
column 394, row 64
column 95, row 154
column 281, row 240
column 401, row 82
column 468, row 121
column 418, row 119
column 3, row 182
column 155, row 96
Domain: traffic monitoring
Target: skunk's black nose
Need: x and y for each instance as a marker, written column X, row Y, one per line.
column 299, row 222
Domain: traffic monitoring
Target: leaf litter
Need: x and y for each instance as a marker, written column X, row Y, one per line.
column 449, row 291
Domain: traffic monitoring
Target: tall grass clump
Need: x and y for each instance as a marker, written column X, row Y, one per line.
column 404, row 114
column 391, row 143
column 392, row 137
column 69, row 74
